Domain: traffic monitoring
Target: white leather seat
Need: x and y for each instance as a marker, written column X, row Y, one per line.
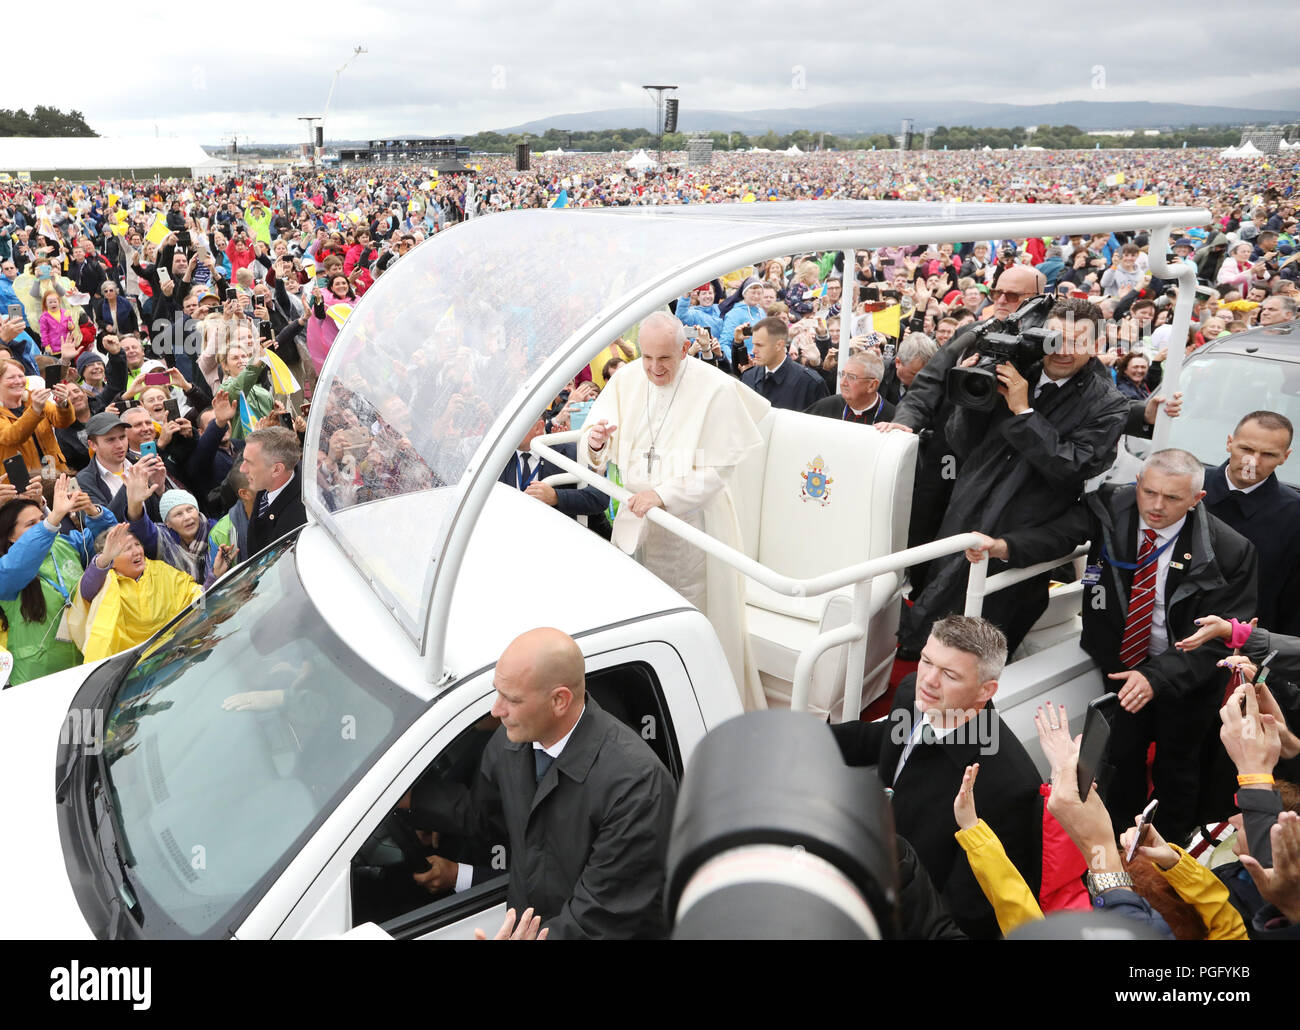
column 1063, row 619
column 789, row 523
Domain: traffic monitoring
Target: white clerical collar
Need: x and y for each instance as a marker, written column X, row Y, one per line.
column 555, row 749
column 870, row 407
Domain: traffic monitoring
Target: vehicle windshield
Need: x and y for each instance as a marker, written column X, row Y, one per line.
column 1219, row 389
column 235, row 734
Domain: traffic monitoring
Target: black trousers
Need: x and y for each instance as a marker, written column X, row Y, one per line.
column 1178, row 727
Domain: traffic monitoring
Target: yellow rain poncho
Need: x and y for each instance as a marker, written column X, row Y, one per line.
column 127, row 612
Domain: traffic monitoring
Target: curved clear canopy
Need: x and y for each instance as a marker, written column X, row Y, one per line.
column 461, row 344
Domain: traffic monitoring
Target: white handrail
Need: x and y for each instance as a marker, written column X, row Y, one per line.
column 860, row 575
column 1011, row 577
column 773, row 580
column 1182, row 320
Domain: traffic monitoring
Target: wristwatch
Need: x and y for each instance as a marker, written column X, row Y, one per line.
column 1098, row 882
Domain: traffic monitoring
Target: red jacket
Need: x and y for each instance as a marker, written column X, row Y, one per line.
column 238, row 258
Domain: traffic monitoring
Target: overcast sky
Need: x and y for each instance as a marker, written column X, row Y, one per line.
column 207, row 70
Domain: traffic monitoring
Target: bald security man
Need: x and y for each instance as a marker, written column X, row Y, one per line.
column 581, row 800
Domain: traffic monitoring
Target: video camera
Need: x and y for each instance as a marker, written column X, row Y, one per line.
column 1022, row 340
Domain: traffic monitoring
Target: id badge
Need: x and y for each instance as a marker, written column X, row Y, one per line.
column 1092, row 575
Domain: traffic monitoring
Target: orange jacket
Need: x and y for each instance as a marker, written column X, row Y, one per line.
column 17, row 433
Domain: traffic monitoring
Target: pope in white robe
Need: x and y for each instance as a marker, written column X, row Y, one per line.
column 676, row 428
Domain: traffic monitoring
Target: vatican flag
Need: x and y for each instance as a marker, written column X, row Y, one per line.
column 282, row 380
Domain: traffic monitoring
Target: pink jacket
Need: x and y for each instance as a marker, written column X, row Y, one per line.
column 54, row 330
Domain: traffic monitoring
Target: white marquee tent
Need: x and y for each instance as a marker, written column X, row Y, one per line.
column 640, row 162
column 67, row 155
column 1246, row 150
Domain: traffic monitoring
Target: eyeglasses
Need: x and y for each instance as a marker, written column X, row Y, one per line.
column 1011, row 296
column 850, row 377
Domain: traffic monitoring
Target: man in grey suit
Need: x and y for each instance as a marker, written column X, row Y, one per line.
column 581, row 800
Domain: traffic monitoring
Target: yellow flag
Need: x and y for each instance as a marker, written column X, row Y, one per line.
column 1119, row 178
column 282, row 380
column 339, row 313
column 887, row 321
column 748, row 198
column 1148, row 200
column 158, row 230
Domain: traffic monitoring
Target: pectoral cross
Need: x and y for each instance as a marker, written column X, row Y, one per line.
column 650, row 459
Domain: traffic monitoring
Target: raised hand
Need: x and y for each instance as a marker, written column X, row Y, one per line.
column 139, row 485
column 600, row 434
column 1153, row 847
column 119, row 539
column 963, row 805
column 37, row 399
column 1280, row 885
column 1053, row 728
column 64, row 499
column 1212, row 627
column 1251, row 739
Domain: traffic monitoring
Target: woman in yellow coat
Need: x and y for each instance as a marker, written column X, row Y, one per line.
column 124, row 598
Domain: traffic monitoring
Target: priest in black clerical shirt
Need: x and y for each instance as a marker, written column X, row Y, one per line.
column 859, row 399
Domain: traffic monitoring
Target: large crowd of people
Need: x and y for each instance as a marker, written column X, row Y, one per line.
column 162, row 340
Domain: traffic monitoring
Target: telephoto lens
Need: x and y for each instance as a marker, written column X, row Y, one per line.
column 775, row 838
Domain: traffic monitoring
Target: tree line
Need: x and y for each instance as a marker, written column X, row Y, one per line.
column 43, row 121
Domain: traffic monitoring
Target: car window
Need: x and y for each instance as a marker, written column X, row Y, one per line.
column 383, row 888
column 632, row 693
column 233, row 736
column 1219, row 389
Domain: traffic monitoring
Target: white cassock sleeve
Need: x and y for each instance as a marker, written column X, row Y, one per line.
column 684, row 494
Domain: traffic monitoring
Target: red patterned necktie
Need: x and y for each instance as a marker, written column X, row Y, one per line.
column 1141, row 604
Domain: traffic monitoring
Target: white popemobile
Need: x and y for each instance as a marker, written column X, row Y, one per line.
column 236, row 776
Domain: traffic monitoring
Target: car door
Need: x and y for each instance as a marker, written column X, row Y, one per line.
column 645, row 685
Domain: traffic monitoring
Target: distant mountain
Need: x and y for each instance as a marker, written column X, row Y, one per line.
column 1282, row 99
column 854, row 118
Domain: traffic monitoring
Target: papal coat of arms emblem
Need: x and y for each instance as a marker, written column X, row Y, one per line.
column 816, row 482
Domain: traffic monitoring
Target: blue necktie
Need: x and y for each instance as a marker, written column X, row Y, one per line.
column 541, row 762
column 262, row 504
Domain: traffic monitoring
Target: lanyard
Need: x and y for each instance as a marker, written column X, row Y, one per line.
column 523, row 481
column 63, row 591
column 1133, row 566
column 848, row 411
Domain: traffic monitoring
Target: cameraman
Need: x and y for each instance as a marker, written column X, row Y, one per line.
column 1024, row 463
column 925, row 407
